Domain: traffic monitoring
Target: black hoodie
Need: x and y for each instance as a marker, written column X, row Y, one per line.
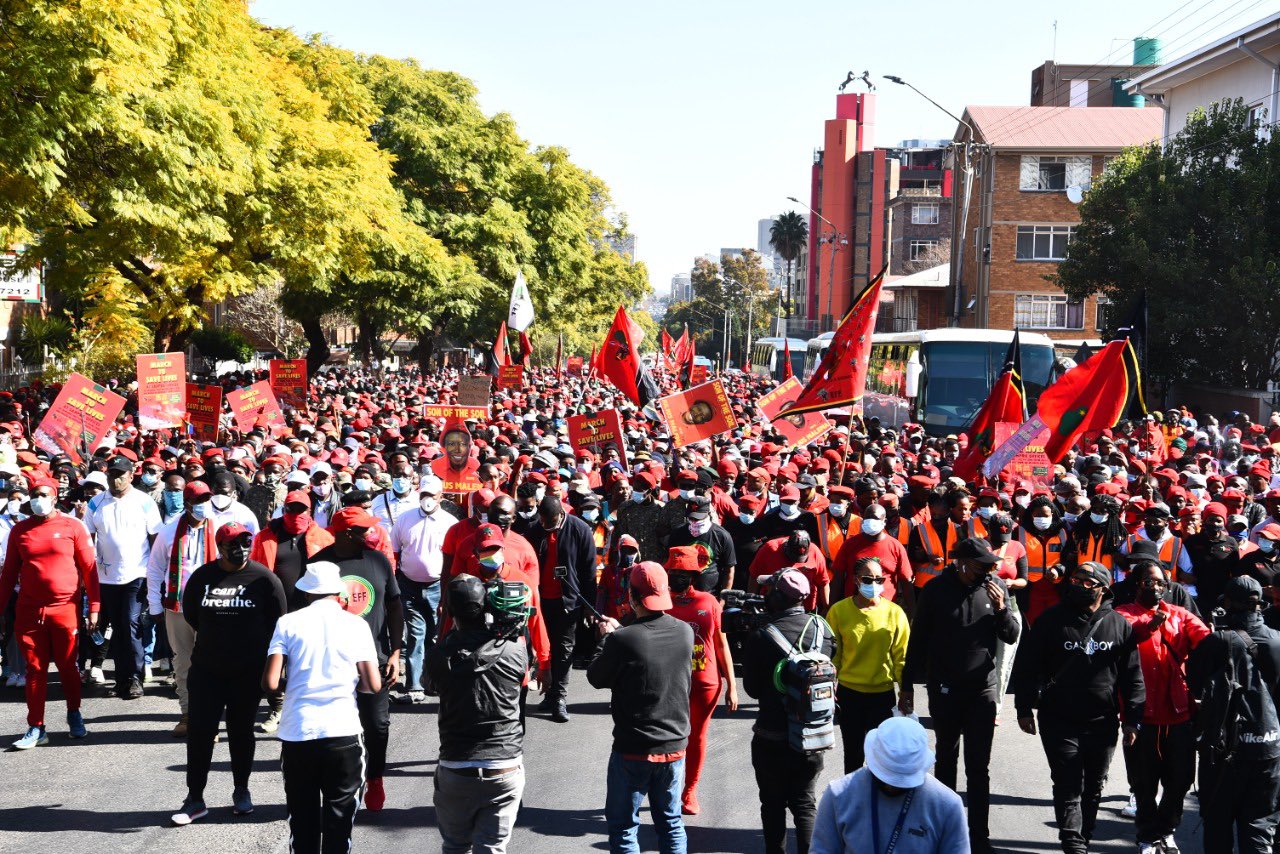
column 1075, row 681
column 955, row 633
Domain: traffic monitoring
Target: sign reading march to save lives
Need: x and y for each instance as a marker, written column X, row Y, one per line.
column 598, row 432
column 162, row 390
column 79, row 419
column 256, row 406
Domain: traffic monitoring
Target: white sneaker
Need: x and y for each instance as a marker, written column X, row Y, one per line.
column 1131, row 811
column 21, row 682
column 12, row 681
column 96, row 676
column 146, row 673
column 1170, row 845
column 1148, row 848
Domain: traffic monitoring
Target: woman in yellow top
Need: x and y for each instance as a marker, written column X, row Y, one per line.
column 871, row 648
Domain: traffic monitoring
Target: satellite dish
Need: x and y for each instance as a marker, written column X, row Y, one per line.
column 1075, row 193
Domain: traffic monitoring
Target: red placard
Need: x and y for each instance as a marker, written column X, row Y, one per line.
column 1031, row 463
column 463, row 413
column 204, row 409
column 598, row 432
column 697, row 414
column 798, row 430
column 698, row 374
column 511, row 376
column 574, row 366
column 162, row 390
column 256, row 406
column 80, row 417
column 289, row 382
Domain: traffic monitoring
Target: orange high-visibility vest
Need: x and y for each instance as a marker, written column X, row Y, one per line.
column 935, row 548
column 903, row 534
column 830, row 537
column 977, row 527
column 1170, row 552
column 1091, row 550
column 1042, row 554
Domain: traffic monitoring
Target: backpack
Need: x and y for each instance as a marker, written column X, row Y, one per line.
column 807, row 680
column 1237, row 715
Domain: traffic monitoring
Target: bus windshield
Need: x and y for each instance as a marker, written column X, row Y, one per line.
column 958, row 375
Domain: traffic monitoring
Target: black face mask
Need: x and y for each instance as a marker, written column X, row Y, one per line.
column 1149, row 597
column 238, row 555
column 1080, row 597
column 680, row 582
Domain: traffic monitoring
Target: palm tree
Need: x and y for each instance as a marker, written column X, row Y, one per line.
column 789, row 235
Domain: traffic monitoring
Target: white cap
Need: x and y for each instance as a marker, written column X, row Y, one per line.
column 322, row 578
column 297, row 476
column 97, row 478
column 431, row 484
column 897, row 751
column 321, row 468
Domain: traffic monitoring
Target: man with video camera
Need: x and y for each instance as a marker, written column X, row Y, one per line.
column 786, row 777
column 477, row 670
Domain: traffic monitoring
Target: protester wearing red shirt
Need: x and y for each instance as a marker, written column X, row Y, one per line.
column 712, row 662
column 795, row 551
column 871, row 541
column 612, row 599
column 50, row 558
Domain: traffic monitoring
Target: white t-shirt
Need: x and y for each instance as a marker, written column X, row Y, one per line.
column 419, row 540
column 323, row 644
column 120, row 528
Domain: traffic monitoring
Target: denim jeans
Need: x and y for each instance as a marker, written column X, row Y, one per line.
column 630, row 781
column 122, row 611
column 420, row 602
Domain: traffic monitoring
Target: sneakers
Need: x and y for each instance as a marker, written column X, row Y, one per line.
column 1170, row 845
column 272, row 721
column 96, row 676
column 75, row 724
column 146, row 673
column 1148, row 848
column 1130, row 809
column 192, row 810
column 689, row 803
column 411, row 698
column 34, row 737
column 15, row 681
column 180, row 731
column 375, row 796
column 560, row 714
column 241, row 803
column 21, row 682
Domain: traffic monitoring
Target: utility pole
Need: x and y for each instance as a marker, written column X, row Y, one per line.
column 751, row 304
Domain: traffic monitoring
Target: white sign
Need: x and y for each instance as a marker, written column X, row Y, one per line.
column 19, row 287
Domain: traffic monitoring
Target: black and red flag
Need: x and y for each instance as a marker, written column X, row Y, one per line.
column 1006, row 402
column 787, row 372
column 619, row 360
column 1087, row 398
column 501, row 357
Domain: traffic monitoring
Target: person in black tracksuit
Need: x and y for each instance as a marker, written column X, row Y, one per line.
column 1239, row 794
column 1077, row 659
column 786, row 777
column 961, row 615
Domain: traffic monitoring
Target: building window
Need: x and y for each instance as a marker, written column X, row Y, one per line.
column 924, row 214
column 922, row 249
column 1043, row 242
column 1080, row 93
column 1047, row 311
column 1106, row 315
column 1054, row 174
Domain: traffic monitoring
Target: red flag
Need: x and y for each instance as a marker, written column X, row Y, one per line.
column 682, row 350
column 592, row 368
column 841, row 376
column 1006, row 402
column 526, row 350
column 620, row 362
column 667, row 343
column 1088, row 397
column 691, row 349
column 559, row 356
column 787, row 373
column 500, row 354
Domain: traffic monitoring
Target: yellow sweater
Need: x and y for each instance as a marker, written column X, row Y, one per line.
column 871, row 644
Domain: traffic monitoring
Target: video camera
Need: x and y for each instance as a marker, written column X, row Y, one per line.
column 506, row 608
column 743, row 612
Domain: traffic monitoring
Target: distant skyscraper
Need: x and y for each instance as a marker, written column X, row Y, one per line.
column 681, row 287
column 762, row 236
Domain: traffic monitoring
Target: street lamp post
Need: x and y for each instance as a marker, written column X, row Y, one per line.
column 836, row 240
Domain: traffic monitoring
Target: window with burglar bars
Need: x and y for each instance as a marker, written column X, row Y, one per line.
column 1043, row 242
column 920, row 249
column 924, row 214
column 1047, row 311
column 1041, row 173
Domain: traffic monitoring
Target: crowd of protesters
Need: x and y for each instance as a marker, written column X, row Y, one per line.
column 299, row 580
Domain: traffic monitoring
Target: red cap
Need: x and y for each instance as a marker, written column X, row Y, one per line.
column 727, row 468
column 230, row 531
column 298, row 496
column 1213, row 508
column 644, row 480
column 790, row 492
column 489, row 537
column 649, row 585
column 1271, row 531
column 351, row 517
column 195, row 489
column 750, row 503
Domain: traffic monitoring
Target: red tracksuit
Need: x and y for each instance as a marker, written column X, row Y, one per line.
column 51, row 558
column 702, row 612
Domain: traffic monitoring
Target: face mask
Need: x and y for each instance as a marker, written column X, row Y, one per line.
column 1042, row 523
column 237, row 554
column 429, row 505
column 1153, row 534
column 1149, row 597
column 686, row 494
column 150, row 479
column 540, row 493
column 699, row 527
column 789, row 511
column 1022, row 500
column 401, row 485
column 584, row 466
column 527, row 514
column 221, row 502
column 297, row 455
column 1132, row 478
column 838, row 510
column 747, row 518
column 363, row 484
column 172, row 499
column 1070, row 517
column 271, row 478
column 680, row 582
column 323, row 489
column 591, row 515
column 1098, row 518
column 639, row 497
column 313, row 447
column 871, row 591
column 493, row 562
column 985, row 512
column 872, row 527
column 1080, row 597
column 15, row 507
column 42, row 505
column 203, row 510
column 626, row 559
column 1239, row 536
column 1266, row 546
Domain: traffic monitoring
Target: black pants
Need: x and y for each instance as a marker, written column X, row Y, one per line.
column 375, row 718
column 562, row 629
column 211, row 694
column 122, row 611
column 1162, row 758
column 786, row 779
column 322, row 782
column 1238, row 804
column 1079, row 756
column 970, row 715
column 859, row 714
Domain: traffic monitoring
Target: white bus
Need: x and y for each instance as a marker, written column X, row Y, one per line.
column 768, row 356
column 940, row 377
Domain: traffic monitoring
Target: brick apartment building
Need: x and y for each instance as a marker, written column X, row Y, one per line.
column 919, row 223
column 1022, row 217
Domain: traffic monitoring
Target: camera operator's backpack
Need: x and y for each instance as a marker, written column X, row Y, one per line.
column 1236, row 713
column 807, row 679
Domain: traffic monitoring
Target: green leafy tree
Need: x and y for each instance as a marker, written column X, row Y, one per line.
column 789, row 235
column 1197, row 227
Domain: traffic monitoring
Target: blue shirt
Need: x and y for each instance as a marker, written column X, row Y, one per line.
column 935, row 822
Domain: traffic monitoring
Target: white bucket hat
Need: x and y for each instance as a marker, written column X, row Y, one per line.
column 322, row 578
column 897, row 752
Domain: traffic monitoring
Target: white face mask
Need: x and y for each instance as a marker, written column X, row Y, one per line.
column 699, row 527
column 1070, row 517
column 42, row 505
column 838, row 510
column 686, row 494
column 872, row 527
column 15, row 507
column 1022, row 500
column 985, row 512
column 1042, row 523
column 747, row 518
column 363, row 484
column 221, row 502
column 540, row 493
column 322, row 489
column 1098, row 518
column 527, row 514
column 429, row 505
column 789, row 511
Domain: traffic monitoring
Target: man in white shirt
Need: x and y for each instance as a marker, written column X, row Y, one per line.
column 330, row 656
column 399, row 499
column 227, row 510
column 417, row 538
column 123, row 521
column 182, row 546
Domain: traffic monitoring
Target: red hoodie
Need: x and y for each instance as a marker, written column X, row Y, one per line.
column 51, row 558
column 1164, row 650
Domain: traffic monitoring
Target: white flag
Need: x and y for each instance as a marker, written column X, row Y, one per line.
column 520, row 316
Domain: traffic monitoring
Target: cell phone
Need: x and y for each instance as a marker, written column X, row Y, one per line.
column 561, row 572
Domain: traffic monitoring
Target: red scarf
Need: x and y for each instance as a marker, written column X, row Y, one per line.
column 173, row 588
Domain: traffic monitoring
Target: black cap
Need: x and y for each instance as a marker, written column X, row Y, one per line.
column 699, row 508
column 466, row 597
column 590, row 499
column 1142, row 550
column 976, row 548
column 120, row 464
column 807, row 481
column 1160, row 511
column 1096, row 571
column 1243, row 590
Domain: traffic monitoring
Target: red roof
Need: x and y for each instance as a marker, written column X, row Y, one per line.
column 1066, row 128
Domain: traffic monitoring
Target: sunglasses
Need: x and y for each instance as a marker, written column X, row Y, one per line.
column 1086, row 583
column 871, row 579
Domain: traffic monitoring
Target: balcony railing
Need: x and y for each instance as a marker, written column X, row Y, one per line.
column 920, row 191
column 895, row 324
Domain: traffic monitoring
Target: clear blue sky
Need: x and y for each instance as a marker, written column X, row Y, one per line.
column 702, row 115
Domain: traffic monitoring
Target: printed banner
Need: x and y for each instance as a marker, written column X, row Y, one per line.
column 698, row 374
column 162, row 390
column 1020, row 439
column 574, row 366
column 204, row 410
column 697, row 414
column 462, row 413
column 1031, row 463
column 511, row 376
column 256, row 406
column 81, row 416
column 475, row 391
column 289, row 382
column 797, row 430
column 599, row 432
column 459, row 470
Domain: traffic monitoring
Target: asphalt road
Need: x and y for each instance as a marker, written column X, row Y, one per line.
column 114, row 791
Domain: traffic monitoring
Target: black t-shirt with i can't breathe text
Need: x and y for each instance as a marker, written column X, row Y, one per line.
column 234, row 614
